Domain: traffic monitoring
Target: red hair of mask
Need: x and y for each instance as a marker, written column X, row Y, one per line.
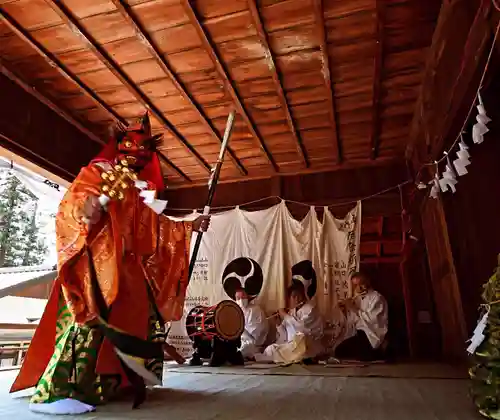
column 136, row 145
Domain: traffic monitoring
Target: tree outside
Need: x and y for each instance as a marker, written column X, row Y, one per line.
column 21, row 242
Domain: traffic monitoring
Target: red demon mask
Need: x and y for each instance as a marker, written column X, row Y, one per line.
column 138, row 147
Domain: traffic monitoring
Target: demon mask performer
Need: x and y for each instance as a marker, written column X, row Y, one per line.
column 122, row 274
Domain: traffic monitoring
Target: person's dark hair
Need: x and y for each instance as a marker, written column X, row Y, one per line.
column 296, row 289
column 364, row 279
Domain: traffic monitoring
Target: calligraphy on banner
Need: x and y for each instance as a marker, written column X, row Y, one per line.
column 200, row 271
column 340, row 256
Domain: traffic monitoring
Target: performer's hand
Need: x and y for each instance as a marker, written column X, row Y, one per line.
column 92, row 210
column 201, row 223
column 282, row 313
column 350, row 305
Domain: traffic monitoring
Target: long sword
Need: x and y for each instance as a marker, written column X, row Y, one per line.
column 212, row 183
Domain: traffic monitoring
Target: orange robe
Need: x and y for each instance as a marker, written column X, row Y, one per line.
column 131, row 247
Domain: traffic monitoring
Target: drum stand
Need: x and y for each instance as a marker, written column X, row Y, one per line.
column 219, row 352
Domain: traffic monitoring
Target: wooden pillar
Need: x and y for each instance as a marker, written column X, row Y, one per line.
column 444, row 281
column 409, row 312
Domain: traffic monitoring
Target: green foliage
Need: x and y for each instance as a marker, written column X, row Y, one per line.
column 485, row 373
column 20, row 239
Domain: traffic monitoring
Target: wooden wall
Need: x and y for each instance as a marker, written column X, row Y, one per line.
column 423, row 323
column 472, row 212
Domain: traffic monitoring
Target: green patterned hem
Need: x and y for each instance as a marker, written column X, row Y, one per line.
column 70, row 372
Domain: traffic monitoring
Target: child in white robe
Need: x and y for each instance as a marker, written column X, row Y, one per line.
column 256, row 326
column 299, row 331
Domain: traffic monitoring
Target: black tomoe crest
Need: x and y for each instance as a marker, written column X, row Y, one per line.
column 304, row 273
column 243, row 273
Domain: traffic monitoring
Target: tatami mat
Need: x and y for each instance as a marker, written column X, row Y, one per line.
column 424, row 370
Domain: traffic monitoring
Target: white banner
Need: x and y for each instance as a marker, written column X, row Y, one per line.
column 263, row 251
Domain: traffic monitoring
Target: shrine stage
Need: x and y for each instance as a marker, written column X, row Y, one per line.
column 412, row 391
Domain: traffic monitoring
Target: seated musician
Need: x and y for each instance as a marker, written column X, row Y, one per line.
column 299, row 331
column 256, row 325
column 366, row 317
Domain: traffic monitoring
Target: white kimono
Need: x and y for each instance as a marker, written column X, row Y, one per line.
column 371, row 317
column 299, row 336
column 256, row 329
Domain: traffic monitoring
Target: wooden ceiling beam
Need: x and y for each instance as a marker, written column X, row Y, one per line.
column 463, row 34
column 69, row 75
column 168, row 162
column 320, row 24
column 33, row 128
column 228, row 84
column 377, row 78
column 348, row 165
column 104, row 57
column 148, row 42
column 47, row 102
column 58, row 65
column 68, row 117
column 254, row 12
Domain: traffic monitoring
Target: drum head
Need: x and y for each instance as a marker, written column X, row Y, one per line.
column 229, row 320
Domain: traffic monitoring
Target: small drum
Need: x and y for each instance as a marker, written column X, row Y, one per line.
column 224, row 320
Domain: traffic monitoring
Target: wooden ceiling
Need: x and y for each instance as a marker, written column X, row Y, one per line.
column 317, row 85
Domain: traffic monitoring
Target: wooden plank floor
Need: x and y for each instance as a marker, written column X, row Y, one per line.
column 198, row 396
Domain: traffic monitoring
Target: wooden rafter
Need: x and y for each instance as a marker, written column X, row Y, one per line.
column 449, row 71
column 69, row 75
column 104, row 57
column 148, row 42
column 58, row 65
column 254, row 12
column 228, row 84
column 173, row 166
column 47, row 102
column 320, row 23
column 377, row 78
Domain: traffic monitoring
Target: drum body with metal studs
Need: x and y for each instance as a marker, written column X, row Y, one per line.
column 224, row 321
